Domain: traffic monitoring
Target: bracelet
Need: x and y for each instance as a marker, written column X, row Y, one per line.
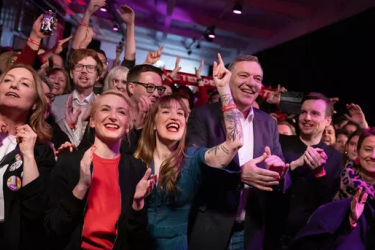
column 33, row 42
column 72, row 126
column 321, row 173
column 84, row 25
column 199, row 79
column 229, row 107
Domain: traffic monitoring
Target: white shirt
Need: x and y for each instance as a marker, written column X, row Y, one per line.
column 80, row 127
column 7, row 144
column 245, row 154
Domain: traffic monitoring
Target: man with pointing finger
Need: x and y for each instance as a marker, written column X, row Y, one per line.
column 229, row 212
column 314, row 170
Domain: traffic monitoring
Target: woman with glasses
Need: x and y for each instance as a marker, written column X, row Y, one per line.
column 25, row 158
column 178, row 168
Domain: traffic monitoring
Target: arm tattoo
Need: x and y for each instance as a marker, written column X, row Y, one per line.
column 226, row 99
column 225, row 150
column 232, row 121
column 213, row 150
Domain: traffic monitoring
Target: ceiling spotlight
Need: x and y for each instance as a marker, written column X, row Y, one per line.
column 115, row 27
column 209, row 34
column 198, row 45
column 189, row 52
column 237, row 9
column 103, row 9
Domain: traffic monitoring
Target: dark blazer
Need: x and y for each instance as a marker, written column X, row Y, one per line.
column 65, row 214
column 25, row 206
column 329, row 229
column 214, row 211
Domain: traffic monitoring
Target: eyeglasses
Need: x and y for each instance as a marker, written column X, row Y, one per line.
column 89, row 68
column 150, row 88
column 105, row 62
column 50, row 96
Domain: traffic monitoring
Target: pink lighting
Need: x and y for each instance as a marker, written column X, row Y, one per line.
column 211, row 36
column 238, row 12
column 103, row 9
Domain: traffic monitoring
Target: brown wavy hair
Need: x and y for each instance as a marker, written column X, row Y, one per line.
column 36, row 117
column 170, row 169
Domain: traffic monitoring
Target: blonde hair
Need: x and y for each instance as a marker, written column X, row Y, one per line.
column 116, row 72
column 170, row 169
column 96, row 102
column 36, row 117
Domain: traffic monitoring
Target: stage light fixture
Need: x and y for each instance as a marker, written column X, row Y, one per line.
column 237, row 9
column 209, row 33
column 115, row 27
column 103, row 9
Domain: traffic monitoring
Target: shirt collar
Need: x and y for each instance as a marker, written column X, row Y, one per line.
column 250, row 116
column 87, row 99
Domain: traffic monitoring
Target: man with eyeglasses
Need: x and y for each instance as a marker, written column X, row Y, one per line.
column 145, row 80
column 72, row 110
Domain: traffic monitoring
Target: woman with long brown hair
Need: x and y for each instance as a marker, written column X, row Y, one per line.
column 162, row 147
column 25, row 158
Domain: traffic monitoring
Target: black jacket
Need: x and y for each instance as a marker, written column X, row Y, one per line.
column 214, row 212
column 65, row 214
column 25, row 207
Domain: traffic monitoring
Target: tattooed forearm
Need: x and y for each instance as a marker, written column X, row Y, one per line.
column 233, row 125
column 226, row 99
column 213, row 150
column 225, row 150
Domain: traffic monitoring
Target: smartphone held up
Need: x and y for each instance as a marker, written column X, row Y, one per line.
column 48, row 21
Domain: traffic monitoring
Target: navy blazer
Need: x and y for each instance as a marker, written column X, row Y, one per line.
column 214, row 211
column 328, row 229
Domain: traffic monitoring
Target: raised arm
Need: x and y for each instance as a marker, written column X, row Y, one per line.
column 127, row 15
column 81, row 32
column 222, row 154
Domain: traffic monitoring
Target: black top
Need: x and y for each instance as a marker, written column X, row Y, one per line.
column 25, row 205
column 58, row 136
column 307, row 192
column 65, row 213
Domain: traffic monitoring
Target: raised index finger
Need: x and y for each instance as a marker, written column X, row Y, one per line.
column 220, row 59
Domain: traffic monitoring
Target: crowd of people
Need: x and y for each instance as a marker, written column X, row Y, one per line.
column 98, row 156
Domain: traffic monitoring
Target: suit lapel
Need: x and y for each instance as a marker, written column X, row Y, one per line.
column 258, row 135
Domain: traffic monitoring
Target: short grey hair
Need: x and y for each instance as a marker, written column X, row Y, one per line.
column 242, row 58
column 116, row 71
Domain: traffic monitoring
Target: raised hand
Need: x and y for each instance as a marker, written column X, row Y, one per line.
column 357, row 205
column 275, row 97
column 88, row 38
column 260, row 178
column 143, row 189
column 59, row 45
column 144, row 106
column 177, row 68
column 94, row 5
column 356, row 115
column 221, row 74
column 315, row 157
column 70, row 116
column 153, row 56
column 26, row 138
column 85, row 168
column 127, row 15
column 199, row 70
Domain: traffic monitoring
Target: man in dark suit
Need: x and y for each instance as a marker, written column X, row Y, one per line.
column 228, row 214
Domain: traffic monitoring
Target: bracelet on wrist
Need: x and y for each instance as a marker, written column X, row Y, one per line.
column 33, row 41
column 229, row 107
column 321, row 173
column 352, row 222
column 72, row 126
column 84, row 25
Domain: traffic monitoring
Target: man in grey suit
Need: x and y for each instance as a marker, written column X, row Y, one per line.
column 72, row 110
column 230, row 209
